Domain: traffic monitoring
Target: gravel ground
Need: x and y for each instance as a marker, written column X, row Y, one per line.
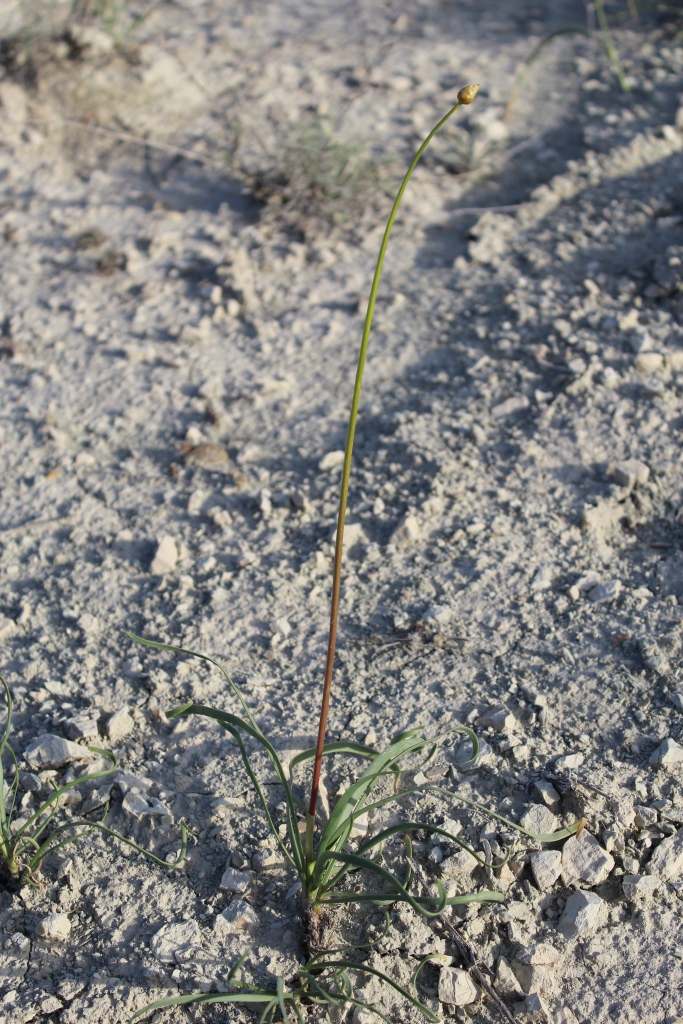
column 177, row 355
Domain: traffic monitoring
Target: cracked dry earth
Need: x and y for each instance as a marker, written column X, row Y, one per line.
column 176, row 367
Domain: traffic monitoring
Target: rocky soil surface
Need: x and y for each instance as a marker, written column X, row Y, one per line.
column 177, row 355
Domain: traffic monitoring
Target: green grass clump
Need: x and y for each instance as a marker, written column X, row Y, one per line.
column 24, row 845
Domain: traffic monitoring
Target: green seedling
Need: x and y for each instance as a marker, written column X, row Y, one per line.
column 24, row 844
column 326, row 864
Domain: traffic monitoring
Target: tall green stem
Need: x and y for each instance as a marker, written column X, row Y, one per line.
column 465, row 96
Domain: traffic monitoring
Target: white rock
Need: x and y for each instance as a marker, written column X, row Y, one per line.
column 81, row 727
column 533, row 1008
column 546, row 866
column 456, row 987
column 628, row 473
column 570, row 761
column 547, row 793
column 605, row 592
column 265, row 859
column 406, row 532
column 540, row 954
column 120, row 725
column 238, row 917
column 54, row 928
column 667, row 753
column 505, row 982
column 667, row 860
column 640, row 885
column 179, row 939
column 54, row 752
column 460, row 863
column 584, row 860
column 516, row 403
column 331, row 460
column 166, row 556
column 353, row 535
column 498, row 717
column 539, row 819
column 235, row 881
column 139, row 806
column 582, row 913
column 126, row 782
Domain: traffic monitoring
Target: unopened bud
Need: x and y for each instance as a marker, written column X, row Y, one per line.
column 467, row 94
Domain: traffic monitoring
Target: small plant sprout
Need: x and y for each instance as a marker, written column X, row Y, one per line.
column 24, row 844
column 327, row 863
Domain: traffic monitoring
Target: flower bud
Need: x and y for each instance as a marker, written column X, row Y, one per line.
column 467, row 94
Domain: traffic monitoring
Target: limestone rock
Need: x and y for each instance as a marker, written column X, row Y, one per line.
column 547, row 793
column 628, row 473
column 237, row 918
column 406, row 532
column 265, row 859
column 176, row 942
column 54, row 752
column 570, row 761
column 539, row 820
column 584, row 860
column 81, row 727
column 460, row 863
column 456, row 987
column 546, row 866
column 54, row 928
column 667, row 860
column 533, row 1009
column 166, row 556
column 639, row 886
column 235, row 881
column 582, row 914
column 505, row 982
column 120, row 725
column 667, row 753
column 210, row 456
column 499, row 718
column 565, row 1016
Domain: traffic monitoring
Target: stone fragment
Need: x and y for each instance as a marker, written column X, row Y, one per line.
column 126, row 782
column 176, row 942
column 667, row 753
column 667, row 860
column 642, row 886
column 547, row 792
column 54, row 752
column 463, row 756
column 582, row 913
column 54, row 928
column 406, row 532
column 511, row 405
column 120, row 725
column 644, row 816
column 628, row 473
column 331, row 460
column 139, row 806
column 265, row 859
column 649, row 362
column 498, row 717
column 533, row 978
column 235, row 881
column 81, row 727
column 456, row 987
column 584, row 860
column 210, row 456
column 605, row 592
column 166, row 556
column 237, row 918
column 570, row 761
column 533, row 1009
column 460, row 863
column 546, row 866
column 98, row 798
column 540, row 954
column 539, row 819
column 505, row 981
